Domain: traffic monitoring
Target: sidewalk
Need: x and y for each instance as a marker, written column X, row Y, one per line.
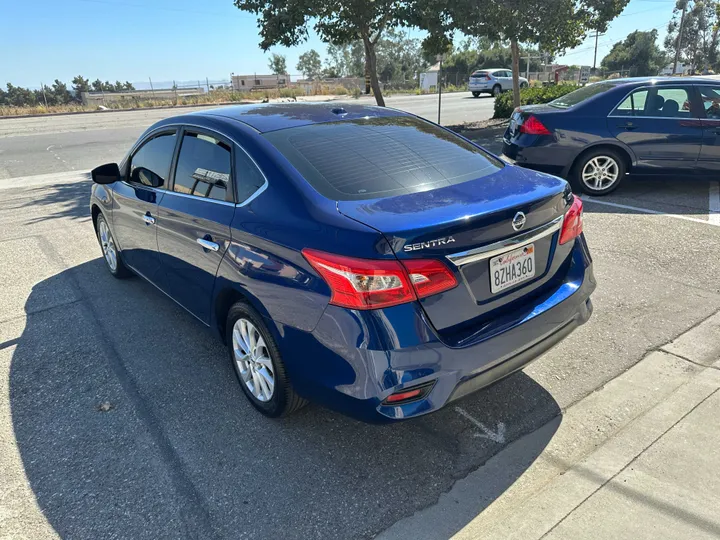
column 654, row 473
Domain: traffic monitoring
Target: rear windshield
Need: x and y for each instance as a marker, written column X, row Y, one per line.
column 479, row 74
column 380, row 157
column 580, row 95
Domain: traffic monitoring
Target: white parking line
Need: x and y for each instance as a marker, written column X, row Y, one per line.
column 655, row 212
column 714, row 203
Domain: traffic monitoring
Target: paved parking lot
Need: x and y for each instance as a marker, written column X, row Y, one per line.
column 120, row 415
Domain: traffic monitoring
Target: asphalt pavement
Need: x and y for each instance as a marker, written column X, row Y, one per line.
column 120, row 416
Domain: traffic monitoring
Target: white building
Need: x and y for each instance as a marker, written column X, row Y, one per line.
column 429, row 78
column 246, row 83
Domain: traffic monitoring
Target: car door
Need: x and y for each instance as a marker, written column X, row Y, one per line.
column 661, row 127
column 194, row 217
column 709, row 160
column 505, row 79
column 136, row 198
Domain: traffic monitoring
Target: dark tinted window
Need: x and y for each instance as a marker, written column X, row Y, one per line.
column 150, row 165
column 711, row 101
column 580, row 95
column 479, row 75
column 380, row 157
column 247, row 176
column 203, row 167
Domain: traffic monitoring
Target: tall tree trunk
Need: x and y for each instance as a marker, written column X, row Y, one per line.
column 515, row 71
column 371, row 60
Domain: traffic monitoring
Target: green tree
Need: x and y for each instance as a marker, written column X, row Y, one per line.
column 551, row 25
column 80, row 84
column 638, row 52
column 128, row 86
column 335, row 21
column 61, row 93
column 309, row 64
column 97, row 85
column 338, row 61
column 278, row 64
column 698, row 42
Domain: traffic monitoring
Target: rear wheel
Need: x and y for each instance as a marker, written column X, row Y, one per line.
column 598, row 172
column 259, row 368
column 111, row 253
column 476, row 94
column 497, row 90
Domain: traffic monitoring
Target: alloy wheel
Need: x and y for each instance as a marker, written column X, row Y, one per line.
column 252, row 359
column 600, row 173
column 108, row 245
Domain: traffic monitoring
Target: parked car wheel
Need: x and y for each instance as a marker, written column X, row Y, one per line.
column 111, row 253
column 257, row 363
column 497, row 90
column 476, row 94
column 523, row 84
column 598, row 172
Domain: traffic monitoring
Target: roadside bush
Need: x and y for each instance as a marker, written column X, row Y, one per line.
column 530, row 96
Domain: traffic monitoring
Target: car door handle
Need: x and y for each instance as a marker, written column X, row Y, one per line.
column 629, row 126
column 148, row 219
column 208, row 244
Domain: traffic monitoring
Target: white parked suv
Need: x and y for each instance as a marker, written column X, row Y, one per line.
column 493, row 81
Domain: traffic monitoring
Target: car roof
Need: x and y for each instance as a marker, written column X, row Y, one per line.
column 274, row 116
column 665, row 80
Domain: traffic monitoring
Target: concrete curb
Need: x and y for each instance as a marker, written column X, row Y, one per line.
column 601, row 433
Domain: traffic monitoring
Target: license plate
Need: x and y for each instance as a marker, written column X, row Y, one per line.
column 511, row 268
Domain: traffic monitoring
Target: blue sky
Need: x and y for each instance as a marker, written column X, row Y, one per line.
column 180, row 40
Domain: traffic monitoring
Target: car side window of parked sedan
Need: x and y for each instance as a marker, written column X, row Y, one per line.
column 150, row 164
column 711, row 101
column 203, row 167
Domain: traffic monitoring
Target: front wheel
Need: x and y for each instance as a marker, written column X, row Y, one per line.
column 111, row 253
column 476, row 94
column 258, row 365
column 599, row 172
column 497, row 90
column 523, row 85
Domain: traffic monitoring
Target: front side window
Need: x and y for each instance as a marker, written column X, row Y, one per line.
column 150, row 165
column 203, row 167
column 380, row 157
column 711, row 101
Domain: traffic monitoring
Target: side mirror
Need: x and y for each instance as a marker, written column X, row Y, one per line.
column 106, row 174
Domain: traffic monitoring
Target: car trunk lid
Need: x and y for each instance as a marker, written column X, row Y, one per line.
column 463, row 225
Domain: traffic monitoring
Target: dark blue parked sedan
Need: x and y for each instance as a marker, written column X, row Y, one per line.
column 597, row 134
column 359, row 257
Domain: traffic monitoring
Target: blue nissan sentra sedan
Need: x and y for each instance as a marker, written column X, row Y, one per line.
column 357, row 257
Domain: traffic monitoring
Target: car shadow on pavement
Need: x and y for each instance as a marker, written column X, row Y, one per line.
column 130, row 423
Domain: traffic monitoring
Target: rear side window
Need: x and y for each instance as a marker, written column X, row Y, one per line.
column 580, row 95
column 247, row 176
column 150, row 165
column 633, row 105
column 656, row 102
column 203, row 167
column 380, row 157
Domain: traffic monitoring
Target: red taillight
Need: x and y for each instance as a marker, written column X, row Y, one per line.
column 533, row 126
column 373, row 284
column 429, row 276
column 572, row 222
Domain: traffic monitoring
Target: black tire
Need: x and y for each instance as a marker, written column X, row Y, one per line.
column 616, row 164
column 523, row 85
column 496, row 90
column 284, row 400
column 116, row 268
column 476, row 94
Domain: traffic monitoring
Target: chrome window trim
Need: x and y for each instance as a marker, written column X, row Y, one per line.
column 252, row 197
column 611, row 115
column 497, row 248
column 208, row 199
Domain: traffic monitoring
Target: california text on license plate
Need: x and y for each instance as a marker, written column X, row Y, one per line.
column 511, row 268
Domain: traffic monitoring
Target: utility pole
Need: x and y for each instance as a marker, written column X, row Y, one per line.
column 151, row 86
column 440, row 57
column 597, row 34
column 42, row 87
column 527, row 68
column 679, row 38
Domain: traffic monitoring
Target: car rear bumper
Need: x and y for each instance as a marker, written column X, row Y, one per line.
column 540, row 155
column 354, row 360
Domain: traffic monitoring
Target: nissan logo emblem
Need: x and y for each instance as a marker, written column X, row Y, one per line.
column 518, row 221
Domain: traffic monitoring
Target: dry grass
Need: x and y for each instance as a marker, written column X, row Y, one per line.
column 214, row 96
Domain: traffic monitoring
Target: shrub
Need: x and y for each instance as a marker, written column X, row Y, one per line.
column 530, row 96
